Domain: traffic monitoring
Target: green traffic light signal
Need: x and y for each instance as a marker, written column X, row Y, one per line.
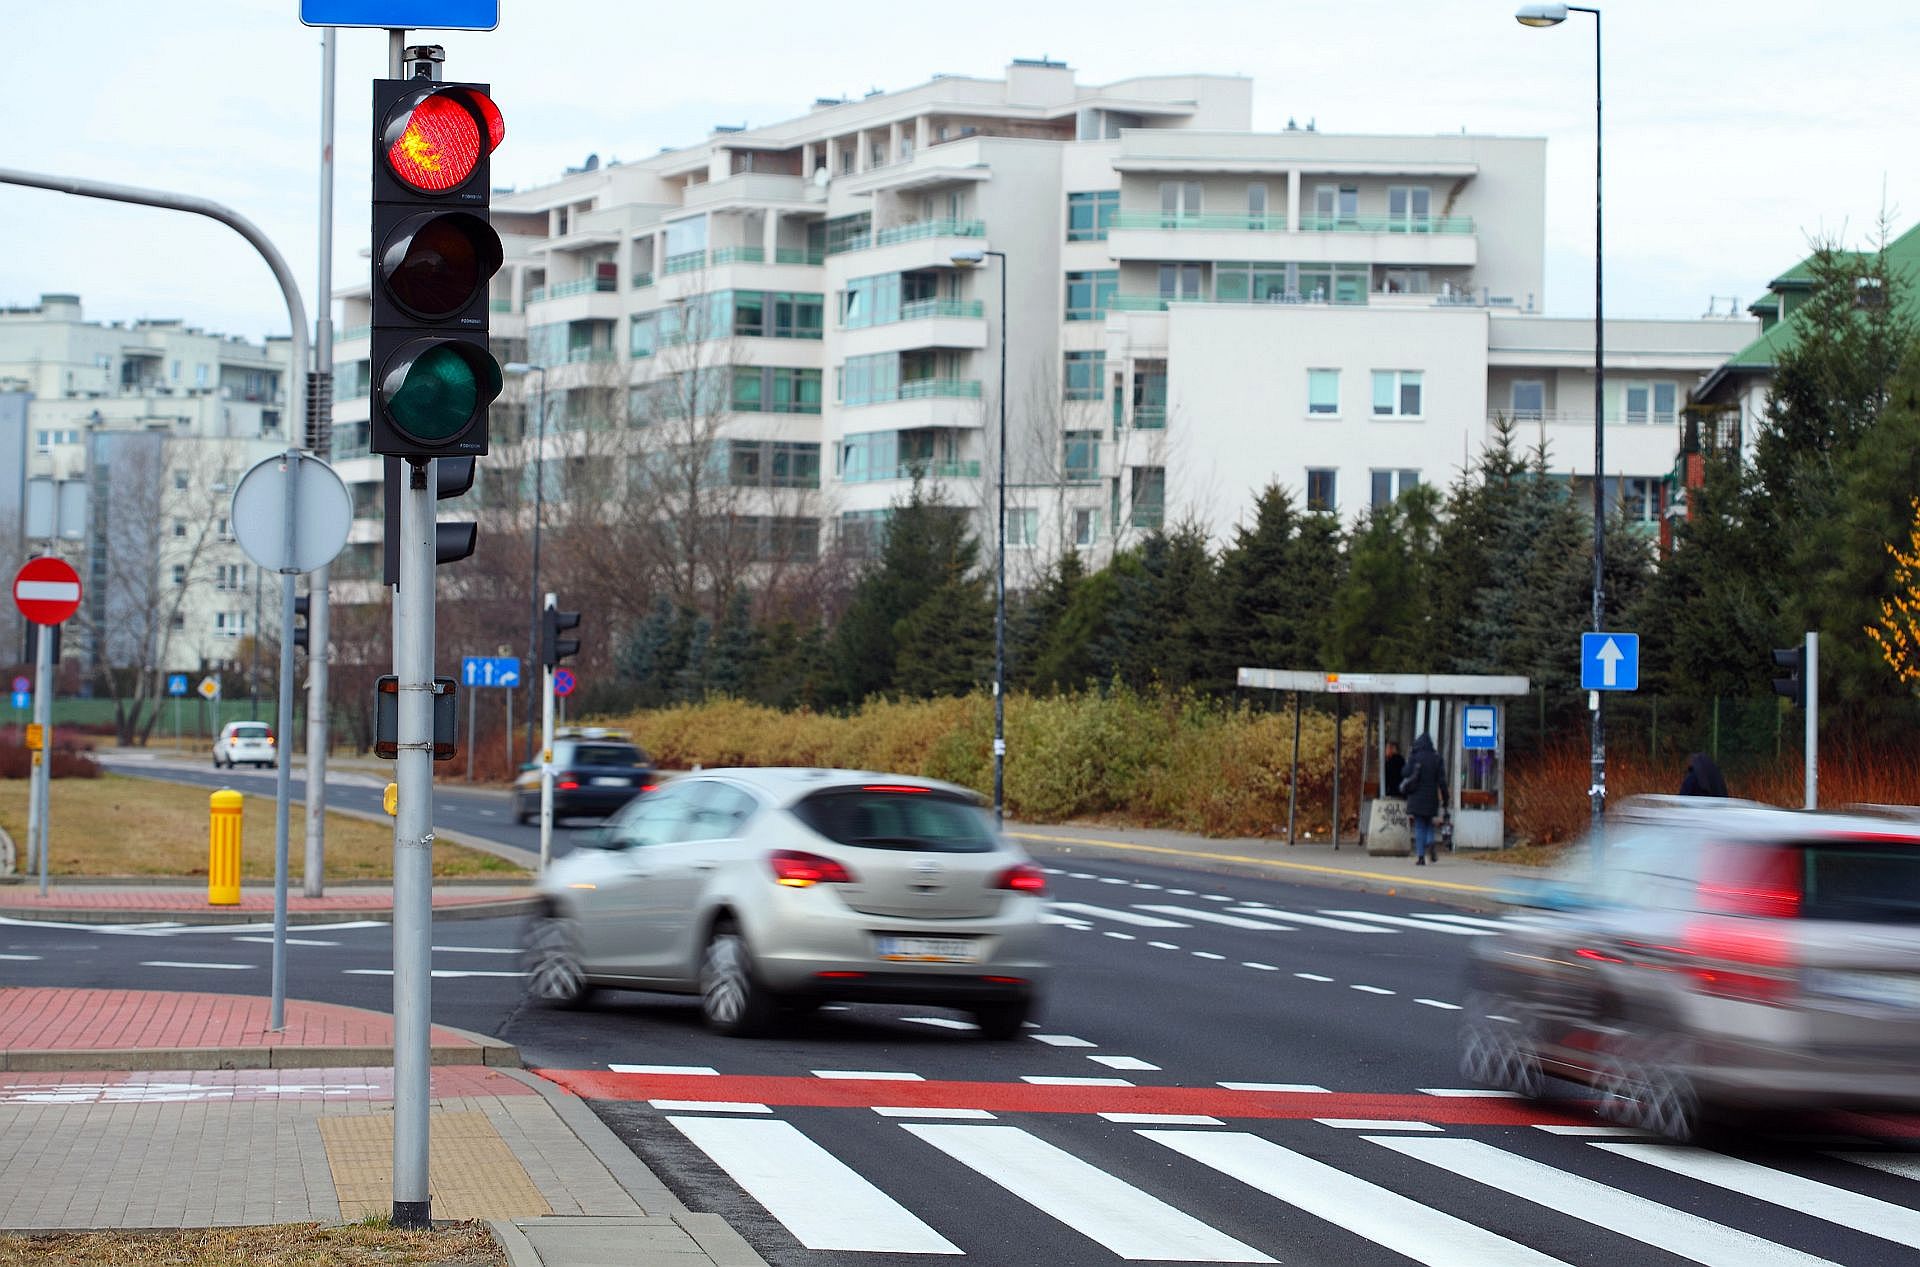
column 436, row 394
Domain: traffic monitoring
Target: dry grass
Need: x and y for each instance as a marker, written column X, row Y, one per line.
column 121, row 826
column 283, row 1245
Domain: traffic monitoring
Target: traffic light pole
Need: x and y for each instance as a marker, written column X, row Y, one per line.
column 546, row 756
column 38, row 792
column 320, row 441
column 413, row 846
column 283, row 760
column 1811, row 674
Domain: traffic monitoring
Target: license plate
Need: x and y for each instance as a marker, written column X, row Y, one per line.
column 605, row 782
column 927, row 949
column 1888, row 988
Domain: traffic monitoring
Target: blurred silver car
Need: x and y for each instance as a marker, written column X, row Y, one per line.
column 1714, row 955
column 771, row 891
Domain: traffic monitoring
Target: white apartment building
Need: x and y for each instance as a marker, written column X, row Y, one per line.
column 140, row 431
column 1193, row 310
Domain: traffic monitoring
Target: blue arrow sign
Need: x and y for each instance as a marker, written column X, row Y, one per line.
column 1609, row 662
column 401, row 15
column 490, row 670
column 176, row 684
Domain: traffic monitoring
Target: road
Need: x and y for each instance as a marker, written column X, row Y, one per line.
column 1226, row 1069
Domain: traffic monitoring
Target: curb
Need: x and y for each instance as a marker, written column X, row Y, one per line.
column 513, row 1243
column 484, row 1051
column 502, row 909
column 632, row 1174
column 715, row 1240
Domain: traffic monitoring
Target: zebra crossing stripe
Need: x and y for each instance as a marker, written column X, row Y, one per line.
column 1403, row 921
column 1129, row 1222
column 1124, row 917
column 1808, row 1196
column 817, row 1197
column 1649, row 1222
column 1379, row 1214
column 1316, row 921
column 1471, row 921
column 1216, row 917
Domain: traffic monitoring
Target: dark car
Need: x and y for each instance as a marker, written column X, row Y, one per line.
column 592, row 777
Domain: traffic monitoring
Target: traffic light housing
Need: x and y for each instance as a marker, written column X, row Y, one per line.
column 300, row 606
column 1793, row 685
column 452, row 542
column 434, row 255
column 554, row 648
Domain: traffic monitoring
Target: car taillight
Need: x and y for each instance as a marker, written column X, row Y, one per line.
column 1767, row 883
column 1744, row 959
column 1025, row 878
column 269, row 740
column 567, row 785
column 799, row 870
column 649, row 787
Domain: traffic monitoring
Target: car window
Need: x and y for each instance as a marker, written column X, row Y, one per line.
column 657, row 818
column 619, row 754
column 1866, row 883
column 893, row 818
column 721, row 812
column 249, row 732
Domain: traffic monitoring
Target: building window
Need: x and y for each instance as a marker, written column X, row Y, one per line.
column 1396, row 394
column 1239, row 281
column 1257, row 205
column 1023, row 527
column 1178, row 199
column 1639, row 402
column 1409, row 207
column 229, row 624
column 1080, row 456
column 179, row 527
column 179, row 574
column 1086, row 526
column 1323, row 392
column 1321, row 493
column 1388, row 485
column 1088, row 294
column 1335, row 204
column 1639, row 499
column 1085, row 375
column 178, row 621
column 1090, row 215
column 179, row 486
column 1149, row 497
column 1529, row 401
column 1180, row 281
column 229, row 576
column 775, row 390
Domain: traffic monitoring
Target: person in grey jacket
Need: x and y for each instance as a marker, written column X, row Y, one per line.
column 1422, row 787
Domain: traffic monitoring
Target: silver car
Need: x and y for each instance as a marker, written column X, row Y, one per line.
column 770, row 891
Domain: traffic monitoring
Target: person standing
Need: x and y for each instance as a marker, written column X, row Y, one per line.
column 1422, row 787
column 1703, row 777
column 1394, row 770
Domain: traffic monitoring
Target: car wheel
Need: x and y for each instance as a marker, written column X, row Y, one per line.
column 1643, row 1083
column 731, row 999
column 555, row 975
column 1001, row 1021
column 1497, row 1053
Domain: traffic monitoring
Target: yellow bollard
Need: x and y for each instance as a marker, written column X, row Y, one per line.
column 223, row 861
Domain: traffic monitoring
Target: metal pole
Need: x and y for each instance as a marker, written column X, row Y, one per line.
column 319, row 402
column 253, row 677
column 283, row 760
column 1811, row 676
column 39, row 833
column 473, row 699
column 539, row 497
column 1598, row 792
column 1000, row 577
column 546, row 757
column 1339, row 716
column 1293, row 773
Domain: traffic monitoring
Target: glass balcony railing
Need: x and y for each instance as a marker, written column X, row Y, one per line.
column 355, row 332
column 1183, row 220
column 582, row 286
column 922, row 468
column 536, row 294
column 582, row 356
column 739, row 255
column 500, row 305
column 642, row 279
column 1387, row 224
column 1149, row 417
column 795, row 255
column 686, row 262
column 1256, row 223
column 930, row 229
column 931, row 388
column 921, row 309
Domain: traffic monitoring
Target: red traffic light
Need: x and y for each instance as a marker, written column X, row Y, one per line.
column 435, row 140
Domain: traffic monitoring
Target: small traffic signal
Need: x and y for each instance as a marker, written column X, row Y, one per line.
column 434, row 255
column 300, row 605
column 554, row 648
column 1793, row 685
column 452, row 542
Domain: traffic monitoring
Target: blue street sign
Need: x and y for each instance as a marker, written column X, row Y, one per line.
column 22, row 700
column 1479, row 727
column 1609, row 662
column 490, row 670
column 176, row 684
column 395, row 15
column 563, row 681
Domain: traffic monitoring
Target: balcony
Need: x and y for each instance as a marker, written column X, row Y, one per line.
column 583, row 299
column 919, row 230
column 351, row 333
column 583, row 286
column 1154, row 235
column 922, row 323
column 685, row 262
column 738, row 255
column 642, row 280
column 796, row 255
column 1149, row 417
column 1386, row 224
column 940, row 388
column 921, row 468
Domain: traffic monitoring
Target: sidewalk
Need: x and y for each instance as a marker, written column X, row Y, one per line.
column 309, row 1136
column 131, row 902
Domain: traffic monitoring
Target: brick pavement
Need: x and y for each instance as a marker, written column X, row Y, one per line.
column 79, row 1020
column 17, row 898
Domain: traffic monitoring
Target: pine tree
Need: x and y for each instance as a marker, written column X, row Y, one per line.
column 733, row 662
column 1381, row 617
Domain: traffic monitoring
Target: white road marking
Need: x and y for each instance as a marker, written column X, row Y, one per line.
column 1207, row 954
column 1121, row 936
column 176, row 963
column 1316, row 921
column 1615, row 1132
column 1122, row 1062
column 1403, row 921
column 1163, row 1119
column 1052, row 870
column 291, row 941
column 822, row 1201
column 1082, row 875
column 1445, row 1007
column 1051, row 917
column 1151, row 888
column 1370, row 989
column 1124, row 917
column 1215, row 897
column 1181, row 892
column 944, row 1022
column 19, row 958
column 1311, row 976
column 1903, row 1164
column 1379, row 1214
column 1061, row 1040
column 1215, row 917
column 1469, row 1093
column 1040, row 1080
column 709, row 1106
column 1112, row 879
column 1879, row 1218
column 891, row 1111
column 1374, row 1124
column 1258, row 967
column 868, row 1075
column 1129, row 1222
column 444, row 974
column 1471, row 921
column 488, row 813
column 1278, row 1088
column 1623, row 1213
column 1163, row 945
column 707, row 1071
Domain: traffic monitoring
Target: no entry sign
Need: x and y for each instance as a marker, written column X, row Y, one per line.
column 46, row 591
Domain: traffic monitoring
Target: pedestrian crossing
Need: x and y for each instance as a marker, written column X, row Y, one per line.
column 1188, row 1189
column 1255, row 917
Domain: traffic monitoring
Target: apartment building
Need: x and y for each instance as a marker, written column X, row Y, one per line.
column 1192, row 310
column 138, row 432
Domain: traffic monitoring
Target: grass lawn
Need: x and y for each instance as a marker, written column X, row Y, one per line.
column 283, row 1245
column 120, row 826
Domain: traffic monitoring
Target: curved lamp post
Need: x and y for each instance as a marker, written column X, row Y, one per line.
column 976, row 257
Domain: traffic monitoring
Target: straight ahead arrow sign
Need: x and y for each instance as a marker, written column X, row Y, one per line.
column 1610, row 657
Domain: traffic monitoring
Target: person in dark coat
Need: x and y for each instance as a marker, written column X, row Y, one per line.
column 1422, row 787
column 1703, row 777
column 1396, row 770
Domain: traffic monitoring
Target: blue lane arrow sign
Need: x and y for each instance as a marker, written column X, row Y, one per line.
column 1609, row 662
column 490, row 670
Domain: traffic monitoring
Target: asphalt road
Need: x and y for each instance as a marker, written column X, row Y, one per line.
column 1225, row 1069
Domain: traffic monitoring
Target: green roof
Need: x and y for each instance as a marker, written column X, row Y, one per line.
column 1903, row 256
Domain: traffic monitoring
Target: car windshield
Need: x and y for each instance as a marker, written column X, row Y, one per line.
column 930, row 821
column 249, row 732
column 619, row 754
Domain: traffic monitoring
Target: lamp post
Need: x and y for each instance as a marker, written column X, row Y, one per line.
column 1552, row 15
column 520, row 369
column 975, row 257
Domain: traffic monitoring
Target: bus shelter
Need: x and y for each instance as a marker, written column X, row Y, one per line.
column 1464, row 713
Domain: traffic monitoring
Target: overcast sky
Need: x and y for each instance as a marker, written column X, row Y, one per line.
column 1735, row 128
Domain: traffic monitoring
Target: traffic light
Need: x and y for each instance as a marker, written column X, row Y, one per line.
column 452, row 542
column 554, row 648
column 300, row 605
column 434, row 254
column 1793, row 685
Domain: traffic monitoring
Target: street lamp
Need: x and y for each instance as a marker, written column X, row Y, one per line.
column 519, row 369
column 976, row 257
column 1553, row 15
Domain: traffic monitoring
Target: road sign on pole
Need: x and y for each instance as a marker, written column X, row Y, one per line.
column 46, row 590
column 563, row 682
column 209, row 687
column 1609, row 662
column 403, row 15
column 490, row 670
column 1479, row 727
column 176, row 684
column 22, row 684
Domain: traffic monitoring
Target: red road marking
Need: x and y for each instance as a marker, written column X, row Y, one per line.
column 1021, row 1097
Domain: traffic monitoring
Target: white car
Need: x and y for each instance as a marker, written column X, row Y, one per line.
column 245, row 743
column 771, row 891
